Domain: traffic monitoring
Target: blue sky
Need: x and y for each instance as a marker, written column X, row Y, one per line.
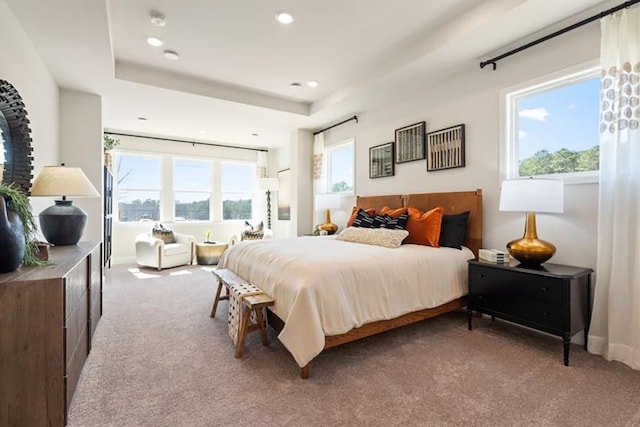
column 567, row 117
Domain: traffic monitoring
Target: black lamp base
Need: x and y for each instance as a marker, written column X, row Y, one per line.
column 63, row 223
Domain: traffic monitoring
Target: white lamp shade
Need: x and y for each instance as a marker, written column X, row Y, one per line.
column 63, row 181
column 270, row 184
column 532, row 195
column 328, row 201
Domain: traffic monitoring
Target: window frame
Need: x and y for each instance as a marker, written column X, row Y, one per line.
column 253, row 192
column 117, row 187
column 167, row 190
column 174, row 191
column 509, row 136
column 327, row 155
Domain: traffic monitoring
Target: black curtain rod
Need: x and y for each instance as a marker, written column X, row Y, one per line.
column 600, row 15
column 341, row 123
column 184, row 141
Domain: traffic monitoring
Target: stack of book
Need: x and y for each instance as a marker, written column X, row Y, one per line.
column 494, row 255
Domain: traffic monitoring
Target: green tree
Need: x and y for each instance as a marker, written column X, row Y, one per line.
column 561, row 161
column 236, row 209
column 589, row 160
column 341, row 187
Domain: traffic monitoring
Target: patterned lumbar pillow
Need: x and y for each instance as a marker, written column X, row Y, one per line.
column 373, row 236
column 163, row 233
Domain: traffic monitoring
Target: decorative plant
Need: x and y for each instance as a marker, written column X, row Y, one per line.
column 19, row 202
column 110, row 142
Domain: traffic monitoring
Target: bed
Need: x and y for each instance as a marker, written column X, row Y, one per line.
column 329, row 292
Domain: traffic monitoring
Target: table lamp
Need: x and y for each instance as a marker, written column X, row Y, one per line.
column 531, row 196
column 269, row 185
column 327, row 202
column 63, row 223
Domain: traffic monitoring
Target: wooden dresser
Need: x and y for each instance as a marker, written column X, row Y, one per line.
column 48, row 316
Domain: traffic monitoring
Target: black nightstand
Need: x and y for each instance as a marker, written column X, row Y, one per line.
column 552, row 298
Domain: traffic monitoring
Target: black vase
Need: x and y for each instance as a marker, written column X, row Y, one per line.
column 12, row 243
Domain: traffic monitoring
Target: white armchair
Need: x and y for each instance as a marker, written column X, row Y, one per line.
column 154, row 252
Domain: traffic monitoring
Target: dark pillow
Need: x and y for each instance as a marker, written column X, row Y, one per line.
column 399, row 223
column 354, row 212
column 163, row 233
column 453, row 230
column 364, row 220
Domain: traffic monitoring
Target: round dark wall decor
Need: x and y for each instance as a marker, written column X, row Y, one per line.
column 16, row 137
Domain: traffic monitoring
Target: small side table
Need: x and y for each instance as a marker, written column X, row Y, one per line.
column 553, row 298
column 209, row 253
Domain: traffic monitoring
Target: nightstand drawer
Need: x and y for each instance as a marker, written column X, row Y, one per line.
column 532, row 300
column 533, row 289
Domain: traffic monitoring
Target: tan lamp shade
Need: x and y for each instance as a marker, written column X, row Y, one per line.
column 63, row 181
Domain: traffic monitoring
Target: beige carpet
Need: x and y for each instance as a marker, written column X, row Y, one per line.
column 159, row 360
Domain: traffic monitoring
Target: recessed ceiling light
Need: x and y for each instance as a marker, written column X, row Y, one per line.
column 154, row 41
column 170, row 54
column 312, row 83
column 284, row 17
column 157, row 19
column 202, row 132
column 295, row 85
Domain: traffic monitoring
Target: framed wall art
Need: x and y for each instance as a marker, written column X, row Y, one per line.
column 381, row 161
column 445, row 148
column 284, row 195
column 410, row 143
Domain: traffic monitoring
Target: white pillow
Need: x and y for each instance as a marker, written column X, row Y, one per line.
column 384, row 237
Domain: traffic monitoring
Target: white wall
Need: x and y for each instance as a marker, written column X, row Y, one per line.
column 472, row 96
column 81, row 146
column 124, row 233
column 24, row 69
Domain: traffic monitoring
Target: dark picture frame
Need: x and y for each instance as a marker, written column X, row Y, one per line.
column 445, row 148
column 284, row 195
column 381, row 162
column 410, row 143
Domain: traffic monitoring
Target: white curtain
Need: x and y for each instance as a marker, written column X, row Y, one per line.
column 615, row 324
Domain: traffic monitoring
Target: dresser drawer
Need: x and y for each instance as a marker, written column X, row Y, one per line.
column 532, row 300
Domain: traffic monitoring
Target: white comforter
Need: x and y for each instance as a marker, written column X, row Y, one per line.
column 323, row 286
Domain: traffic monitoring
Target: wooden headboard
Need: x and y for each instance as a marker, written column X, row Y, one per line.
column 452, row 202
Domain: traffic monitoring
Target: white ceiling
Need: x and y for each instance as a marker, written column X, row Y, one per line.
column 237, row 62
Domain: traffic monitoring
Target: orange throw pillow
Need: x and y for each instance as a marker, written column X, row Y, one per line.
column 424, row 227
column 393, row 213
column 354, row 212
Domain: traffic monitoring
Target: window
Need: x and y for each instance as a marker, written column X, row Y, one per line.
column 238, row 183
column 192, row 189
column 138, row 182
column 340, row 175
column 552, row 128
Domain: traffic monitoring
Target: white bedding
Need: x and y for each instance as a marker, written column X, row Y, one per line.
column 324, row 286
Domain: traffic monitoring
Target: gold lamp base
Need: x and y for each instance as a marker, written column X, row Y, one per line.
column 328, row 226
column 530, row 250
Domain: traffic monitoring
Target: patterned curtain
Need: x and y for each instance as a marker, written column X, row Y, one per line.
column 615, row 325
column 262, row 165
column 319, row 167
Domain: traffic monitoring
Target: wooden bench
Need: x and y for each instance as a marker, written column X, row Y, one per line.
column 250, row 303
